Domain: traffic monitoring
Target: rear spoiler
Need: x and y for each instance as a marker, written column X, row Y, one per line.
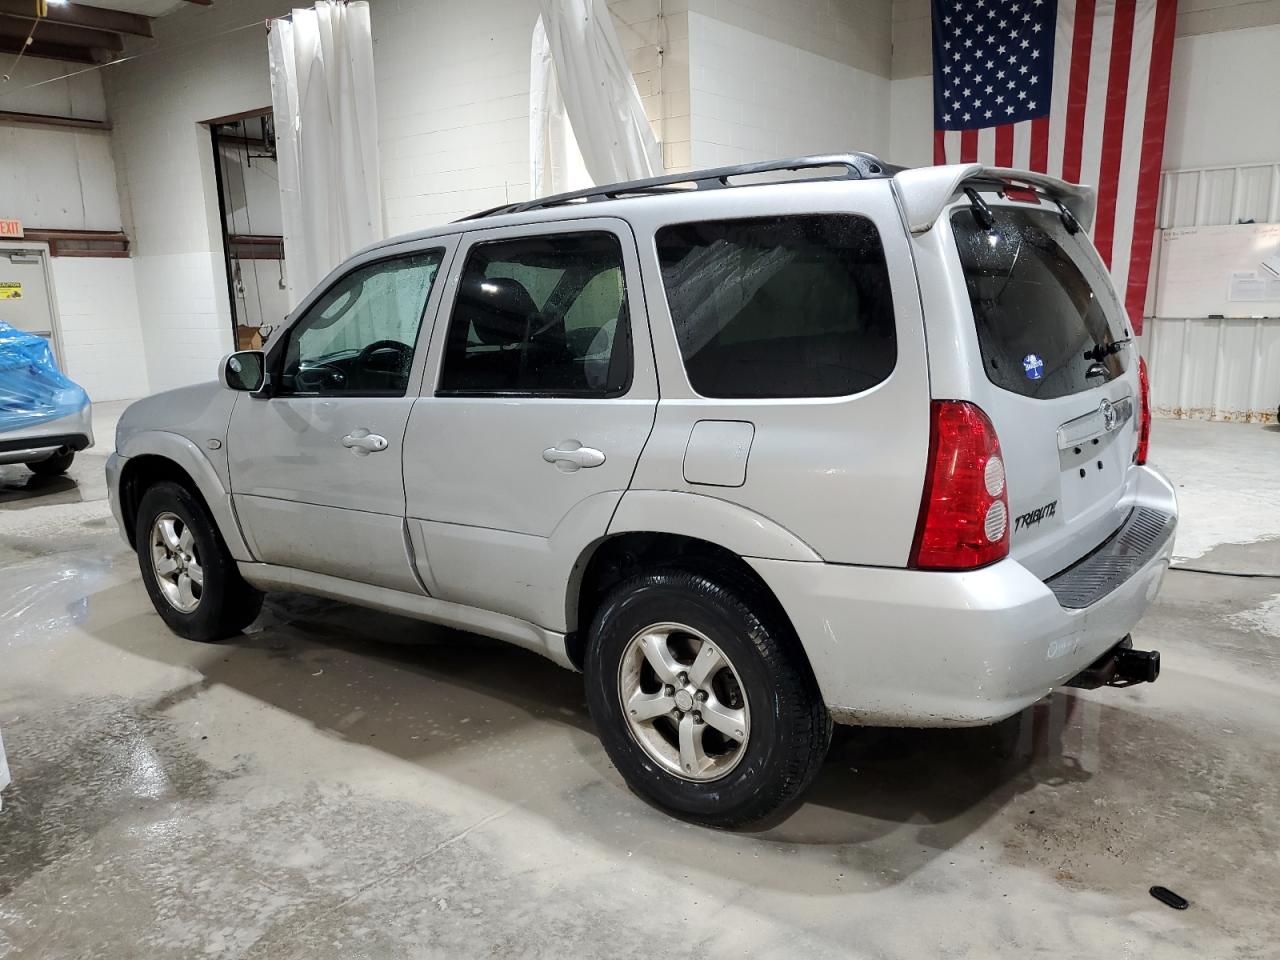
column 923, row 192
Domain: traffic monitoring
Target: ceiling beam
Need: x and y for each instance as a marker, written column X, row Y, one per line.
column 60, row 33
column 48, row 51
column 82, row 15
column 14, row 118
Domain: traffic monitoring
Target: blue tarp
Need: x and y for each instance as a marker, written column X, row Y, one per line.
column 32, row 388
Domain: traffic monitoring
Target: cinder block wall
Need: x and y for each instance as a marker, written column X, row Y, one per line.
column 787, row 78
column 59, row 179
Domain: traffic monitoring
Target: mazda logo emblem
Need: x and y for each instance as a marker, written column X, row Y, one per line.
column 1109, row 415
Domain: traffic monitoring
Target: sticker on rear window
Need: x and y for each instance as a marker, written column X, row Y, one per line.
column 1033, row 366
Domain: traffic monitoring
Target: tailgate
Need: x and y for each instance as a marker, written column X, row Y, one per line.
column 1054, row 346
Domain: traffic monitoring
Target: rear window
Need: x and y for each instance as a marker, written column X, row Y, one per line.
column 780, row 306
column 1041, row 300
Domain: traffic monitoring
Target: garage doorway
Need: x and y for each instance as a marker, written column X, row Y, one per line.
column 26, row 292
column 244, row 153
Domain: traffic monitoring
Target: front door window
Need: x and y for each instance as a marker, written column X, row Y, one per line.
column 359, row 338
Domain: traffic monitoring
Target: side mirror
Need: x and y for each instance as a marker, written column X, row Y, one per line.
column 245, row 371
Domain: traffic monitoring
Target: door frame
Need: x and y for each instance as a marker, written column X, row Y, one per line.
column 42, row 248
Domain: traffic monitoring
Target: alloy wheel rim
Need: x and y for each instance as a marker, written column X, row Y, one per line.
column 176, row 562
column 683, row 701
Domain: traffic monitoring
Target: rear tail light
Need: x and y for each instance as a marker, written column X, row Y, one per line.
column 1144, row 413
column 964, row 514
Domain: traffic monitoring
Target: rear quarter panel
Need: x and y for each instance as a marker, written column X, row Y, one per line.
column 842, row 475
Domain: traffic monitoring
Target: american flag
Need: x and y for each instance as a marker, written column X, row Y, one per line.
column 1078, row 89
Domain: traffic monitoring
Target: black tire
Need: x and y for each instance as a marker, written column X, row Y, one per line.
column 790, row 728
column 52, row 466
column 227, row 604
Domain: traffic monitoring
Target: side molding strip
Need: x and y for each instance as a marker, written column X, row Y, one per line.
column 522, row 633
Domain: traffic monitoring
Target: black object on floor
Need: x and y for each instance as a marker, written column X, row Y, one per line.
column 1169, row 898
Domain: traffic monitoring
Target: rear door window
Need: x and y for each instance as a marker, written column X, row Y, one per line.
column 1041, row 301
column 795, row 306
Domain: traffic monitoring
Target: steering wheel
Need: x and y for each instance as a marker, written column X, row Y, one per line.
column 362, row 361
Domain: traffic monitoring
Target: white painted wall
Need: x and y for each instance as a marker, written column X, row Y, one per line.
column 756, row 98
column 208, row 62
column 1224, row 100
column 911, row 126
column 101, row 336
column 58, row 179
column 655, row 37
column 787, row 78
column 452, row 82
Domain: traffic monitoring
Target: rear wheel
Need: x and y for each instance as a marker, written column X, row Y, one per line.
column 190, row 576
column 704, row 702
column 52, row 466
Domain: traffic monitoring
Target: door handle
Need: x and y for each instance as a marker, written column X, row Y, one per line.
column 362, row 443
column 571, row 456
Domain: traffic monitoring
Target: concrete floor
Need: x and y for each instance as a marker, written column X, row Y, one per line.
column 339, row 783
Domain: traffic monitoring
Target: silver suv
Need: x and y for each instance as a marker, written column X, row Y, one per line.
column 755, row 449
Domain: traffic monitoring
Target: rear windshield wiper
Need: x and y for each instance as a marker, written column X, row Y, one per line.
column 1101, row 351
column 981, row 212
column 986, row 219
column 1068, row 218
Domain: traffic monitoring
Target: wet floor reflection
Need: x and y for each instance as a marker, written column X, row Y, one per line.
column 128, row 728
column 428, row 694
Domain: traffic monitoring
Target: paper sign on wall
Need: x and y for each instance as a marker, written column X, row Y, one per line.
column 1252, row 286
column 10, row 289
column 10, row 229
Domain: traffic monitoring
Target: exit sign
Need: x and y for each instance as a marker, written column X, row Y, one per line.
column 10, row 229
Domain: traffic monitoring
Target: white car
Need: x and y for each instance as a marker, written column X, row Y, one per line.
column 755, row 453
column 45, row 418
column 48, row 449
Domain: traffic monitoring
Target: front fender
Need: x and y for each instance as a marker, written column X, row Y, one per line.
column 188, row 456
column 729, row 525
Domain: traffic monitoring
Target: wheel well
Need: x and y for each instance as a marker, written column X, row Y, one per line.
column 143, row 472
column 623, row 555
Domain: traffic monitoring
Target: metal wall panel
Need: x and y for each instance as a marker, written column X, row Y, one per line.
column 1220, row 195
column 1209, row 368
column 1213, row 369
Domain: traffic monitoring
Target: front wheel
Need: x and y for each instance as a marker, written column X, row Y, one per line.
column 704, row 702
column 189, row 574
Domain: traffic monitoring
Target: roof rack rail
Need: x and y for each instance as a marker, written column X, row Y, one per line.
column 857, row 166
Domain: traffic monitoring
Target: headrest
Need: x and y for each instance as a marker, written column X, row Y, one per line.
column 499, row 308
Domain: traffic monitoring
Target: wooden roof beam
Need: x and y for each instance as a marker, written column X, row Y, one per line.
column 60, row 34
column 48, row 51
column 82, row 15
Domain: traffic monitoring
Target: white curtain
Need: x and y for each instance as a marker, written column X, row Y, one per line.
column 326, row 138
column 586, row 122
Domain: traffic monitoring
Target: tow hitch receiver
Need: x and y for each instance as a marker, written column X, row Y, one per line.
column 1121, row 666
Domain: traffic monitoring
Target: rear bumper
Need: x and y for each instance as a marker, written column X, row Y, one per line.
column 74, row 431
column 914, row 648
